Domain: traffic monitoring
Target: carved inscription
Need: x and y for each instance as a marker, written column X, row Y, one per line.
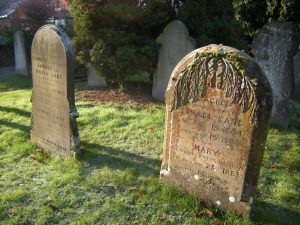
column 212, row 127
column 210, row 135
column 51, row 102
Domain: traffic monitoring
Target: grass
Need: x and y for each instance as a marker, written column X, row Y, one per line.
column 116, row 180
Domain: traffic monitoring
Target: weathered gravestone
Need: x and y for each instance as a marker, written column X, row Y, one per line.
column 94, row 80
column 297, row 76
column 53, row 106
column 175, row 43
column 218, row 104
column 20, row 54
column 274, row 47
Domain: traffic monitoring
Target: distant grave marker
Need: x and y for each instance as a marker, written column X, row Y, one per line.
column 297, row 76
column 274, row 47
column 218, row 104
column 20, row 54
column 175, row 43
column 53, row 105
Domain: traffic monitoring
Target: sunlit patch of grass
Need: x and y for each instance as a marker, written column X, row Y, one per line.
column 116, row 179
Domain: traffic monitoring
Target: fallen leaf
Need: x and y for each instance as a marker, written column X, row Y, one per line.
column 52, row 206
column 132, row 189
column 199, row 214
column 11, row 215
column 162, row 218
column 209, row 212
column 32, row 157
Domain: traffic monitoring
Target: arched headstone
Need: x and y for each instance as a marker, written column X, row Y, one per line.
column 218, row 104
column 53, row 105
column 274, row 47
column 175, row 43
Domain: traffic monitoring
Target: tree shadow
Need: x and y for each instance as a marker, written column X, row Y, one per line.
column 20, row 112
column 14, row 125
column 17, row 82
column 98, row 156
column 267, row 213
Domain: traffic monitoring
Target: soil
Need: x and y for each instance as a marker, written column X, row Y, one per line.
column 114, row 95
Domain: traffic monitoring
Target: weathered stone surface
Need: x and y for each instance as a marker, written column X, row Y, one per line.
column 20, row 55
column 274, row 47
column 94, row 80
column 218, row 104
column 53, row 106
column 175, row 44
column 297, row 76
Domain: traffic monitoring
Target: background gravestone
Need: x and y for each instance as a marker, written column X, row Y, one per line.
column 20, row 55
column 274, row 47
column 175, row 43
column 297, row 76
column 218, row 105
column 94, row 80
column 53, row 106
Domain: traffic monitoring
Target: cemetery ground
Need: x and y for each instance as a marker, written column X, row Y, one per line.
column 116, row 179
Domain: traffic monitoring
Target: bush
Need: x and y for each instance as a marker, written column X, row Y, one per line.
column 212, row 21
column 253, row 14
column 118, row 37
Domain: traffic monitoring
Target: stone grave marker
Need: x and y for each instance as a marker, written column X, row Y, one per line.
column 175, row 43
column 218, row 104
column 274, row 47
column 297, row 76
column 20, row 54
column 53, row 105
column 94, row 80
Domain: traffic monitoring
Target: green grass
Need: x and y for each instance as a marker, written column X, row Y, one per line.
column 116, row 180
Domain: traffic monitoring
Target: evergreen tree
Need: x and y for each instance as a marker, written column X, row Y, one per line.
column 253, row 14
column 117, row 37
column 212, row 21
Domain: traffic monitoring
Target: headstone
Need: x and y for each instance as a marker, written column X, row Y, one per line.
column 20, row 54
column 218, row 104
column 297, row 76
column 54, row 112
column 274, row 47
column 94, row 80
column 175, row 43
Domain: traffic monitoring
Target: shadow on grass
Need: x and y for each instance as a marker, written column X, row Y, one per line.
column 17, row 82
column 266, row 213
column 98, row 156
column 13, row 125
column 20, row 112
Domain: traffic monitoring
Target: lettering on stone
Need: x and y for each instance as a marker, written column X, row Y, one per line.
column 54, row 112
column 217, row 111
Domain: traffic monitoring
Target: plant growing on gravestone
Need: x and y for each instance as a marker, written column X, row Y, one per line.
column 253, row 15
column 118, row 37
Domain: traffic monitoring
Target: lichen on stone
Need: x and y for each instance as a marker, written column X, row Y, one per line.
column 220, row 69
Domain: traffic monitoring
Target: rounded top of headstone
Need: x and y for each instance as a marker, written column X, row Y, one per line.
column 174, row 27
column 217, row 67
column 46, row 31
